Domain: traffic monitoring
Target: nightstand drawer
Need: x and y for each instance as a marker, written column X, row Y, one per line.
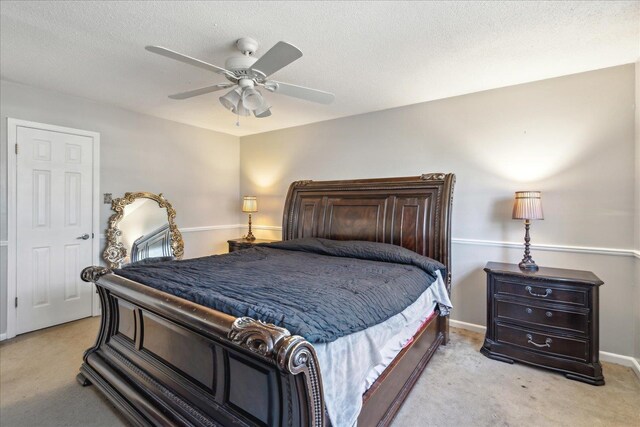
column 544, row 343
column 542, row 292
column 571, row 321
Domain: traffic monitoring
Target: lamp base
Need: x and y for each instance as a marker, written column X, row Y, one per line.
column 528, row 265
column 250, row 237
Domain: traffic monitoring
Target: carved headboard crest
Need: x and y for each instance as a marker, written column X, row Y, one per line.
column 413, row 212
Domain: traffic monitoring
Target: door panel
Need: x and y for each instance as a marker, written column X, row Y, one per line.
column 55, row 207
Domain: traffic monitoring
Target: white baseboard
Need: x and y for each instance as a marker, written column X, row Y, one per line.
column 619, row 359
column 468, row 326
column 605, row 356
column 3, row 337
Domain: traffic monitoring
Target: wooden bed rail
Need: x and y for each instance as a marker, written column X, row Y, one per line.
column 164, row 360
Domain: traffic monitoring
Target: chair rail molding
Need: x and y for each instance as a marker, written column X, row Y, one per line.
column 455, row 240
column 209, row 228
column 228, row 227
column 550, row 247
column 503, row 244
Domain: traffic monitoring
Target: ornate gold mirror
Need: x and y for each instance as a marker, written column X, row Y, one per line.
column 142, row 227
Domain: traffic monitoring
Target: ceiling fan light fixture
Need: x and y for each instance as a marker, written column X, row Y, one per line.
column 263, row 111
column 241, row 111
column 252, row 98
column 231, row 100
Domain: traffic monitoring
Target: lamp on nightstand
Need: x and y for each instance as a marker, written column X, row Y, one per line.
column 527, row 206
column 249, row 205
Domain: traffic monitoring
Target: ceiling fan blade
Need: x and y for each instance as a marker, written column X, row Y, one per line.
column 301, row 92
column 201, row 91
column 188, row 60
column 279, row 56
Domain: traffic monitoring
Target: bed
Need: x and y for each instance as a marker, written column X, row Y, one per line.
column 164, row 360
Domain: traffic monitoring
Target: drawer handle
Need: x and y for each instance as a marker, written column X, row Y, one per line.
column 547, row 342
column 546, row 293
column 549, row 314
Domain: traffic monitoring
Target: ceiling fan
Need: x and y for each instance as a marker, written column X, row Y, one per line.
column 246, row 74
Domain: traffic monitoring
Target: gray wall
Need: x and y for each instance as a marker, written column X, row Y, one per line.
column 570, row 137
column 196, row 169
column 637, row 227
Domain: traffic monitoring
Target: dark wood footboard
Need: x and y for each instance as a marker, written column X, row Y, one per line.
column 163, row 360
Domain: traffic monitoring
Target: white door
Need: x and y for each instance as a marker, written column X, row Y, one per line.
column 54, row 227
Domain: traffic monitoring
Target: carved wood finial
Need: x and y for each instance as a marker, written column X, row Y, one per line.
column 432, row 176
column 257, row 336
column 296, row 355
column 93, row 273
column 291, row 353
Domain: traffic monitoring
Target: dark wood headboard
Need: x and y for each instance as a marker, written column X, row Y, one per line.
column 412, row 212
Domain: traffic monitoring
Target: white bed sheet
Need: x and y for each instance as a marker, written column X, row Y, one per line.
column 350, row 364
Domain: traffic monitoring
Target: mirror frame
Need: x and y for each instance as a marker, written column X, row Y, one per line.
column 115, row 251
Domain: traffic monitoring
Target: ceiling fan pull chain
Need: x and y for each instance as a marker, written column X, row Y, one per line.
column 238, row 119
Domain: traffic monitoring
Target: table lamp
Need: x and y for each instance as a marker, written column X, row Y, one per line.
column 249, row 205
column 527, row 206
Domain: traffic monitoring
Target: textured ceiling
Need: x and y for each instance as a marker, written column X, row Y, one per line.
column 372, row 55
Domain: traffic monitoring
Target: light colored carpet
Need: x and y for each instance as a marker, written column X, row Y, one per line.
column 460, row 387
column 37, row 380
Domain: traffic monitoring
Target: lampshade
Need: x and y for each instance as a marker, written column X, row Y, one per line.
column 241, row 110
column 527, row 205
column 230, row 100
column 249, row 204
column 262, row 114
column 251, row 98
column 263, row 111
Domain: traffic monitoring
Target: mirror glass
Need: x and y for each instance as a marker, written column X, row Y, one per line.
column 142, row 228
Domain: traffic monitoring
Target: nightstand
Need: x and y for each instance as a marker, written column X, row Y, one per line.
column 238, row 244
column 547, row 318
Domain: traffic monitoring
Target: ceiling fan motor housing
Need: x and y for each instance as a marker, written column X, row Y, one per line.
column 243, row 62
column 240, row 67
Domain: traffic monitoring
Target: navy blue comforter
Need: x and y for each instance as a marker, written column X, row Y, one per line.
column 317, row 288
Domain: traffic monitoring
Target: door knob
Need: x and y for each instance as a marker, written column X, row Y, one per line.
column 85, row 236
